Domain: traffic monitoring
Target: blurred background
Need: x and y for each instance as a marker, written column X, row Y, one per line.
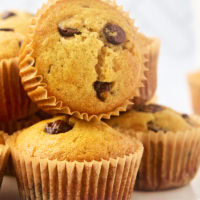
column 175, row 22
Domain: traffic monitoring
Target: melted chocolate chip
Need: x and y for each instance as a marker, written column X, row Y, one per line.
column 20, row 43
column 7, row 29
column 150, row 108
column 185, row 116
column 101, row 88
column 57, row 127
column 114, row 34
column 155, row 128
column 68, row 32
column 7, row 14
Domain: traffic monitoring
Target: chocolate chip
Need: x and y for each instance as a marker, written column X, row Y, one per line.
column 101, row 88
column 150, row 108
column 7, row 29
column 185, row 116
column 68, row 32
column 114, row 34
column 7, row 14
column 155, row 128
column 20, row 43
column 57, row 127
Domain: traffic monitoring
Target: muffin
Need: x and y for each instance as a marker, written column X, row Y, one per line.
column 14, row 102
column 171, row 145
column 92, row 46
column 67, row 158
column 151, row 48
column 15, row 19
column 4, row 154
column 194, row 84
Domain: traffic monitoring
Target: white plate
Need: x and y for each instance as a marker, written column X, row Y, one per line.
column 190, row 192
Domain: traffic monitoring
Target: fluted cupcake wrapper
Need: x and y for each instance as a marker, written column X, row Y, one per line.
column 195, row 91
column 150, row 84
column 14, row 102
column 37, row 89
column 4, row 155
column 59, row 180
column 153, row 100
column 170, row 159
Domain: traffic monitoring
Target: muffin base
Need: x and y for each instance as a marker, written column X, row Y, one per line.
column 45, row 179
column 4, row 155
column 14, row 102
column 170, row 160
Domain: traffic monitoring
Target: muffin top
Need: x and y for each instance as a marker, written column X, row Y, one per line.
column 93, row 48
column 10, row 43
column 13, row 28
column 16, row 20
column 70, row 139
column 153, row 117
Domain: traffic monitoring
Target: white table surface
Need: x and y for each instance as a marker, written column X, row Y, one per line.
column 190, row 192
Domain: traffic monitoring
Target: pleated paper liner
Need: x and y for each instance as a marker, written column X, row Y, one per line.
column 153, row 100
column 37, row 88
column 194, row 85
column 170, row 159
column 4, row 155
column 14, row 102
column 44, row 179
column 151, row 47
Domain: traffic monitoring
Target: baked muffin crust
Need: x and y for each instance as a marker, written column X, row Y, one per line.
column 153, row 117
column 84, row 141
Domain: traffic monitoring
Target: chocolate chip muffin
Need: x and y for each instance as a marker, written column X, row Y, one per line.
column 171, row 145
column 14, row 102
column 15, row 20
column 82, row 158
column 84, row 61
column 194, row 85
column 4, row 155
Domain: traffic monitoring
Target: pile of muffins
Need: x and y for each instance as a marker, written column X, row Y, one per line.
column 77, row 110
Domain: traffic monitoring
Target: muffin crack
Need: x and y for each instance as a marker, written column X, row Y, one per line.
column 102, row 88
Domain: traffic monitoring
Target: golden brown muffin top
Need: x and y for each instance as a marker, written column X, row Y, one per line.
column 92, row 47
column 13, row 28
column 10, row 43
column 153, row 117
column 17, row 20
column 69, row 139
